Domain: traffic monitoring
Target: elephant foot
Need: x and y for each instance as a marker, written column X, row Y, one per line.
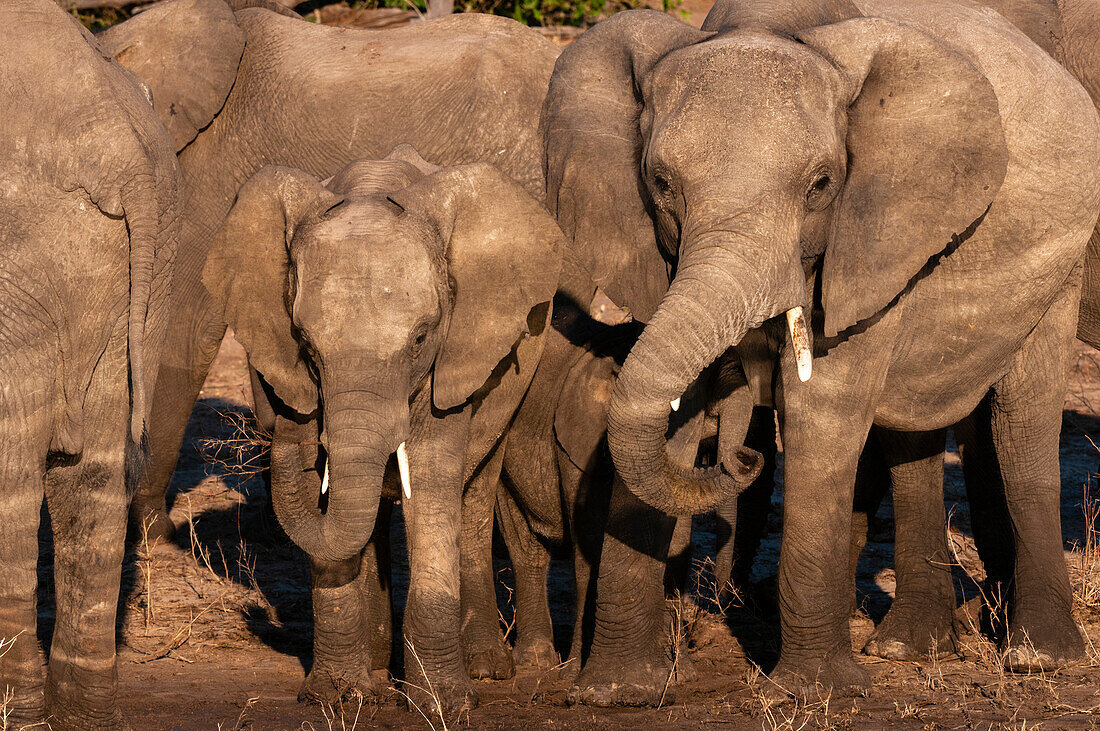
column 65, row 716
column 538, row 654
column 838, row 675
column 624, row 683
column 151, row 524
column 1042, row 645
column 441, row 699
column 490, row 659
column 328, row 686
column 909, row 632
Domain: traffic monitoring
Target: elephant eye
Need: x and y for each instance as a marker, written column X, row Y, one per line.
column 418, row 340
column 663, row 187
column 817, row 196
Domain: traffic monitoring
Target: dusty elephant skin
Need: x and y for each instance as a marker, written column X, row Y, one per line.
column 935, row 160
column 89, row 202
column 398, row 308
column 467, row 88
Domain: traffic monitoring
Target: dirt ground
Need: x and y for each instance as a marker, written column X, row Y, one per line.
column 215, row 627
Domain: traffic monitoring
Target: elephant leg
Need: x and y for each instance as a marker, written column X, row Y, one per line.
column 483, row 645
column 86, row 498
column 190, row 345
column 1024, row 426
column 872, row 483
column 530, row 564
column 435, row 674
column 22, row 665
column 825, row 424
column 922, row 616
column 340, row 642
column 629, row 663
column 990, row 521
column 586, row 497
column 744, row 521
column 374, row 593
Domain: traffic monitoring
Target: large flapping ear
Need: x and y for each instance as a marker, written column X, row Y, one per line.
column 503, row 254
column 593, row 153
column 926, row 157
column 247, row 272
column 187, row 52
column 580, row 419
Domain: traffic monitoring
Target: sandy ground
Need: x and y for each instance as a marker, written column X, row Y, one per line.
column 215, row 627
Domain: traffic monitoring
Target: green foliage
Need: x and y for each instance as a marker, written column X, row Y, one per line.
column 95, row 20
column 534, row 12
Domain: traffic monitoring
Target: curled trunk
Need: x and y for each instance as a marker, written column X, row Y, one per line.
column 715, row 299
column 360, row 441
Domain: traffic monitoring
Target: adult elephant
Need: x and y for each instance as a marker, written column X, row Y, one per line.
column 89, row 204
column 280, row 90
column 399, row 302
column 803, row 132
column 923, row 613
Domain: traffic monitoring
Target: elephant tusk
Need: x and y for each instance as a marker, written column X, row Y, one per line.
column 675, row 404
column 403, row 469
column 324, row 480
column 796, row 323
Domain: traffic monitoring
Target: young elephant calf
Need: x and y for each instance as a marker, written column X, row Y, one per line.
column 396, row 308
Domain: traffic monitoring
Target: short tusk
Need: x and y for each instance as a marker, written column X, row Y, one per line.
column 324, row 480
column 675, row 404
column 403, row 469
column 796, row 323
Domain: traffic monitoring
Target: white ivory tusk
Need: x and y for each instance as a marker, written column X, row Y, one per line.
column 324, row 480
column 675, row 404
column 403, row 468
column 796, row 323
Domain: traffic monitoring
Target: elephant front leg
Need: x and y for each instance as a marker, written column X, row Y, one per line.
column 629, row 662
column 486, row 654
column 341, row 663
column 825, row 423
column 922, row 617
column 435, row 674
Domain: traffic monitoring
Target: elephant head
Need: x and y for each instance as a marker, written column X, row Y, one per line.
column 352, row 297
column 732, row 160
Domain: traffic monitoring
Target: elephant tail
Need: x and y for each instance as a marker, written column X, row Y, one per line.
column 139, row 203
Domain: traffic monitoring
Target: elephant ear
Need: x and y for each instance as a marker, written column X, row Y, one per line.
column 247, row 272
column 926, row 157
column 187, row 52
column 580, row 419
column 503, row 253
column 593, row 153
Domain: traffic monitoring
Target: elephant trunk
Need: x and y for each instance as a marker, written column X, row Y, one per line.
column 714, row 300
column 360, row 436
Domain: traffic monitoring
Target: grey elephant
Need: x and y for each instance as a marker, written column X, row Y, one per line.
column 89, row 204
column 242, row 90
column 862, row 112
column 398, row 309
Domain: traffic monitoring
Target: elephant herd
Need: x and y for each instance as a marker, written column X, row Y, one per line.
column 874, row 219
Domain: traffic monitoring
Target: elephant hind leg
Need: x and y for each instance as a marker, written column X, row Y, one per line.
column 87, row 505
column 1024, row 423
column 922, row 616
column 22, row 665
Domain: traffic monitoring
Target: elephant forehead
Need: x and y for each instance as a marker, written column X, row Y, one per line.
column 364, row 275
column 745, row 91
